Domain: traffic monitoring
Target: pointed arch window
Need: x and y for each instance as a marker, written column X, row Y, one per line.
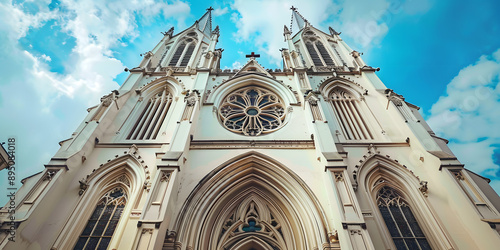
column 319, row 54
column 253, row 220
column 103, row 221
column 177, row 55
column 400, row 221
column 347, row 110
column 183, row 53
column 150, row 120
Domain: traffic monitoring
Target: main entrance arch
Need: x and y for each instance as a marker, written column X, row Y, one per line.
column 251, row 202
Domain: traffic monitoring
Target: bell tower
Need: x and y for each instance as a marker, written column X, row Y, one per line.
column 186, row 50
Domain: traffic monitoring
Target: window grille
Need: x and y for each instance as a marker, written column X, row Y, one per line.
column 400, row 221
column 177, row 55
column 319, row 54
column 252, row 111
column 314, row 55
column 103, row 221
column 149, row 122
column 324, row 54
column 187, row 55
column 347, row 111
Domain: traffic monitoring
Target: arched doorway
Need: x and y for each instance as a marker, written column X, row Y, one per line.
column 251, row 202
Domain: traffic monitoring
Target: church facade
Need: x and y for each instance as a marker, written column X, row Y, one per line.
column 317, row 155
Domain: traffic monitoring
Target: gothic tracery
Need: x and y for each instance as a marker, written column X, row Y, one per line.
column 252, row 111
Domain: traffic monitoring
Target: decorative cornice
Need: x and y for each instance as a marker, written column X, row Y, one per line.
column 238, row 144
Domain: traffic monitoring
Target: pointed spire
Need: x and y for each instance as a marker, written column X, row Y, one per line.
column 205, row 22
column 299, row 19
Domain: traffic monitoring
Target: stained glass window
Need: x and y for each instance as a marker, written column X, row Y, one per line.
column 102, row 223
column 252, row 111
column 400, row 221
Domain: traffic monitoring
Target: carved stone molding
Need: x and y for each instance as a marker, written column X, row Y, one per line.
column 283, row 144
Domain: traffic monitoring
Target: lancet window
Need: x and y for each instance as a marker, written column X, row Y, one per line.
column 150, row 120
column 103, row 221
column 183, row 53
column 252, row 111
column 319, row 54
column 400, row 220
column 347, row 109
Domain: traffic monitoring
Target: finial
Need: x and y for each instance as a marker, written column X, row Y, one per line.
column 210, row 9
column 216, row 30
column 286, row 30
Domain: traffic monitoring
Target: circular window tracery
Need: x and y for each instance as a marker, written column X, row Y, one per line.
column 252, row 111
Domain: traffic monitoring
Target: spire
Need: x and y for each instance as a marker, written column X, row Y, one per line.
column 205, row 22
column 299, row 19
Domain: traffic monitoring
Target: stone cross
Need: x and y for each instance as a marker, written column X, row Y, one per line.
column 252, row 56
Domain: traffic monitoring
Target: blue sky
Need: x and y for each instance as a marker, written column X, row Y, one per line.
column 59, row 57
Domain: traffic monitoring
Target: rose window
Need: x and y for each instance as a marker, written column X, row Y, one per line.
column 252, row 111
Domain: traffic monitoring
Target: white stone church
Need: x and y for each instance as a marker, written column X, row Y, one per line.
column 317, row 155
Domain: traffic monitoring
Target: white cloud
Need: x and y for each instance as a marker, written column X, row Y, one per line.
column 468, row 114
column 237, row 65
column 16, row 22
column 267, row 32
column 43, row 107
column 220, row 12
column 365, row 22
column 46, row 58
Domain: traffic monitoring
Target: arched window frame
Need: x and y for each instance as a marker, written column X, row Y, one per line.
column 149, row 122
column 122, row 185
column 143, row 107
column 402, row 201
column 184, row 51
column 99, row 183
column 378, row 171
column 251, row 174
column 352, row 116
column 322, row 53
column 319, row 54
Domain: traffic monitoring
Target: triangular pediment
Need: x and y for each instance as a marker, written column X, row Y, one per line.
column 252, row 67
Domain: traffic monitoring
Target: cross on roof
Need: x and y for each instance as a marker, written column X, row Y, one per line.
column 252, row 55
column 293, row 8
column 210, row 9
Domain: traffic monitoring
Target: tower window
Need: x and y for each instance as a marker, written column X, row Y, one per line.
column 183, row 53
column 177, row 55
column 400, row 221
column 103, row 221
column 349, row 117
column 319, row 54
column 187, row 55
column 149, row 122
